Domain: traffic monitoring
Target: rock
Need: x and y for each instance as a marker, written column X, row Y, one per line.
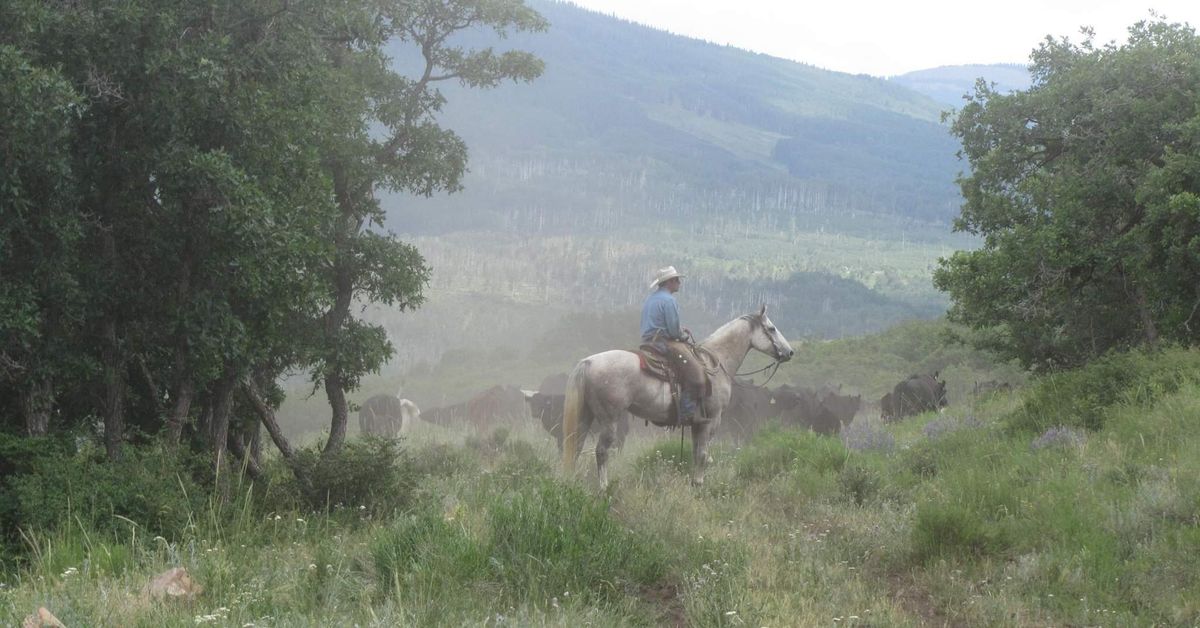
column 42, row 619
column 173, row 584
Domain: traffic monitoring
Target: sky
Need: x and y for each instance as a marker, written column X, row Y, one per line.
column 891, row 37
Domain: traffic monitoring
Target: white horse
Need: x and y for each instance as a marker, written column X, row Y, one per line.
column 605, row 386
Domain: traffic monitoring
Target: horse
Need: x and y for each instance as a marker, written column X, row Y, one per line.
column 606, row 387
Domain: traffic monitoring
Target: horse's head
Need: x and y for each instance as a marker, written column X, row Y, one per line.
column 766, row 338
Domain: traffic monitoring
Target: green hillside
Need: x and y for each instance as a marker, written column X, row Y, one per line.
column 824, row 194
column 948, row 84
column 653, row 126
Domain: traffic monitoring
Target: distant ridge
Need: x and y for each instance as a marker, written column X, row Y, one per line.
column 638, row 124
column 947, row 84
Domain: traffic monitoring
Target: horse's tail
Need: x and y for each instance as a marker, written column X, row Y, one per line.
column 574, row 410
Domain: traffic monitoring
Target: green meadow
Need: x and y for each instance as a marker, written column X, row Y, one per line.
column 1073, row 500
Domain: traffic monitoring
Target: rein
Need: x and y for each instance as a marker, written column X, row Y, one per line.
column 733, row 376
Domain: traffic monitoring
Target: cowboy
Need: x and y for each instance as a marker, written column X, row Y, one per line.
column 662, row 331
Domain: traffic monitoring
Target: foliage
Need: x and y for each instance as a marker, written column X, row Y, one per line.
column 370, row 476
column 150, row 491
column 775, row 450
column 1102, row 533
column 1086, row 190
column 1082, row 397
column 246, row 143
column 546, row 536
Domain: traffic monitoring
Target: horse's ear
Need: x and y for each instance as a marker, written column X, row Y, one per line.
column 762, row 310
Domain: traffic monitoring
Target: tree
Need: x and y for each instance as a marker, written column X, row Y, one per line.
column 1086, row 191
column 383, row 135
column 188, row 194
column 40, row 299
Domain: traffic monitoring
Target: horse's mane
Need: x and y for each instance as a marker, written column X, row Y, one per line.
column 751, row 318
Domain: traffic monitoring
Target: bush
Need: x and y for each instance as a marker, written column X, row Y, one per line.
column 864, row 435
column 860, row 482
column 370, row 475
column 424, row 543
column 776, row 450
column 442, row 460
column 150, row 486
column 1083, row 397
column 665, row 455
column 547, row 538
column 952, row 530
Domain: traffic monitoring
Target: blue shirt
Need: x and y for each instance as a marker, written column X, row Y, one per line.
column 660, row 313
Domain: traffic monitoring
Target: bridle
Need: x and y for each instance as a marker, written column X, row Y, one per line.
column 773, row 367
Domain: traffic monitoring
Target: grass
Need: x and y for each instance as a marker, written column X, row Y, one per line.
column 962, row 522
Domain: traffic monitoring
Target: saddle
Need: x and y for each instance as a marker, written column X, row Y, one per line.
column 681, row 367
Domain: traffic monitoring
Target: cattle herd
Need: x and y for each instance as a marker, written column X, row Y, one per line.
column 824, row 410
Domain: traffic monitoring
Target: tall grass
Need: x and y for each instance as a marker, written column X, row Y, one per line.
column 963, row 522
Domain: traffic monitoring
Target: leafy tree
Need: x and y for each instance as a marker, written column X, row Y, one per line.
column 187, row 194
column 382, row 134
column 40, row 299
column 1086, row 191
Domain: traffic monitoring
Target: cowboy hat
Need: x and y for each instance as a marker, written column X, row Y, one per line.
column 664, row 274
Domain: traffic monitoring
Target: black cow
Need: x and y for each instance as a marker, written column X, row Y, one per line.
column 833, row 411
column 548, row 408
column 917, row 394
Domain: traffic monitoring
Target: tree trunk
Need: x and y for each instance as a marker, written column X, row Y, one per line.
column 160, row 410
column 343, row 293
column 1149, row 328
column 245, row 456
column 267, row 416
column 185, row 391
column 221, row 404
column 335, row 391
column 37, row 402
column 114, row 391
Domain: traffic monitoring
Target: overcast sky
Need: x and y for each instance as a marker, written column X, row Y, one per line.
column 889, row 37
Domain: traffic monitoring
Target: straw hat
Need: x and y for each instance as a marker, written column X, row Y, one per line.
column 664, row 274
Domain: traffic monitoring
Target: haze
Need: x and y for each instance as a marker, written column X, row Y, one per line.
column 884, row 38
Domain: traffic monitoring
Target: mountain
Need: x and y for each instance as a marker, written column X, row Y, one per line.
column 639, row 125
column 948, row 84
column 826, row 195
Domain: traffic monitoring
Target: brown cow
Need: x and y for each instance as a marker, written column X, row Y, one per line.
column 498, row 404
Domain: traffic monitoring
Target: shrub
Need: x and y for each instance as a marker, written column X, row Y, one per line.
column 1058, row 436
column 427, row 544
column 547, row 538
column 150, row 486
column 20, row 456
column 1083, row 397
column 665, row 455
column 860, row 482
column 371, row 475
column 776, row 450
column 864, row 435
column 952, row 530
column 441, row 460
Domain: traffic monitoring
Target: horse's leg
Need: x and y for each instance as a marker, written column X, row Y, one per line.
column 604, row 441
column 622, row 429
column 700, row 459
